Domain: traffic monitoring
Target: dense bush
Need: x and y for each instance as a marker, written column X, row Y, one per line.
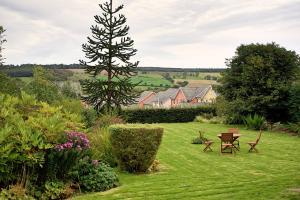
column 15, row 192
column 105, row 120
column 135, row 147
column 173, row 115
column 61, row 159
column 9, row 85
column 53, row 190
column 294, row 102
column 42, row 87
column 89, row 117
column 293, row 127
column 255, row 122
column 68, row 91
column 94, row 176
column 29, row 130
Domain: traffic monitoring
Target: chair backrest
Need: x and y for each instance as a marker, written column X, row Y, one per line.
column 258, row 137
column 233, row 130
column 227, row 137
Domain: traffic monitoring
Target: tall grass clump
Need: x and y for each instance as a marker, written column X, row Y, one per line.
column 255, row 122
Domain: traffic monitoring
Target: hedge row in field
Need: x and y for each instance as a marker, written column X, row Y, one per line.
column 173, row 115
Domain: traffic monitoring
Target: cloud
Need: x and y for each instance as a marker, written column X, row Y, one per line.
column 171, row 33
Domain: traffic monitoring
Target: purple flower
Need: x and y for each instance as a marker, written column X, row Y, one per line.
column 75, row 140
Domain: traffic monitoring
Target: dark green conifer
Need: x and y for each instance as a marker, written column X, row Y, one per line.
column 108, row 51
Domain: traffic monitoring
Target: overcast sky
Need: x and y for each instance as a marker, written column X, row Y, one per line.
column 167, row 33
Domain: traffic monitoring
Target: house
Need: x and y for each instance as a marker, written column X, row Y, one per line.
column 144, row 97
column 176, row 97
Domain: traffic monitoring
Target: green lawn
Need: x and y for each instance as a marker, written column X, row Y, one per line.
column 189, row 173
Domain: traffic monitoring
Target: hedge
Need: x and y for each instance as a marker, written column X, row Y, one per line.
column 135, row 147
column 173, row 115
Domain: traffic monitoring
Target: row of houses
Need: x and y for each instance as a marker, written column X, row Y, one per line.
column 176, row 97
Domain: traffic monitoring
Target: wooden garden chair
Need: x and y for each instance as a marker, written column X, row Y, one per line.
column 227, row 143
column 208, row 145
column 236, row 142
column 253, row 144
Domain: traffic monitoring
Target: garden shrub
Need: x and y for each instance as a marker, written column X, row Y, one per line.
column 101, row 148
column 68, row 91
column 200, row 139
column 294, row 102
column 73, row 106
column 94, row 176
column 89, row 116
column 9, row 85
column 293, row 127
column 29, row 130
column 53, row 190
column 172, row 115
column 255, row 122
column 15, row 192
column 42, row 87
column 61, row 159
column 135, row 147
column 105, row 120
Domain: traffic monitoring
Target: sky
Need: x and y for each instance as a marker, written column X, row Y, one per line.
column 167, row 33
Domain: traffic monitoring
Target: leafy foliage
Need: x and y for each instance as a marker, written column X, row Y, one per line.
column 101, row 148
column 255, row 122
column 258, row 81
column 173, row 115
column 53, row 190
column 200, row 139
column 64, row 156
column 294, row 102
column 9, row 85
column 109, row 49
column 293, row 127
column 135, row 148
column 94, row 176
column 42, row 87
column 15, row 192
column 89, row 117
column 28, row 130
column 105, row 120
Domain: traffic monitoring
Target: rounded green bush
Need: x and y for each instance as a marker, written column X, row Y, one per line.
column 135, row 147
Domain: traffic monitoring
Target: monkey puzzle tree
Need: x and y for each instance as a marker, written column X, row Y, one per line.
column 108, row 51
column 2, row 40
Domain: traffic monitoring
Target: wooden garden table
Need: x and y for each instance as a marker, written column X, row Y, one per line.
column 235, row 137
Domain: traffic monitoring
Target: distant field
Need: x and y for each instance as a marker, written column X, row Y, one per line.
column 196, row 83
column 76, row 70
column 153, row 80
column 186, row 75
